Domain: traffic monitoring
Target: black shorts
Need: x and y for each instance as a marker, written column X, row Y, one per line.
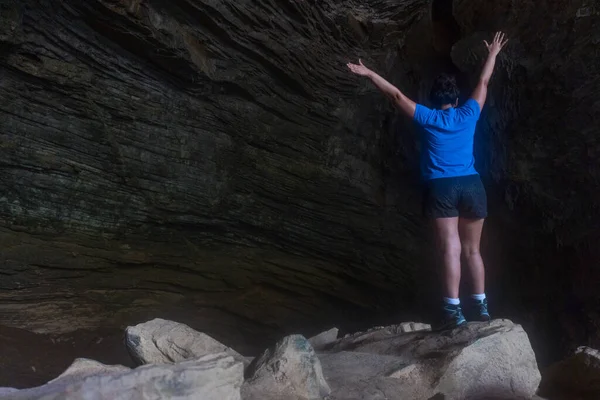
column 462, row 196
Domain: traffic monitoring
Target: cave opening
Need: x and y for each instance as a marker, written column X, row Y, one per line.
column 445, row 27
column 446, row 32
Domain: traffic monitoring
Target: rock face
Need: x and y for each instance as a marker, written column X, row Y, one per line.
column 478, row 361
column 288, row 370
column 196, row 159
column 213, row 377
column 163, row 342
column 213, row 160
column 577, row 377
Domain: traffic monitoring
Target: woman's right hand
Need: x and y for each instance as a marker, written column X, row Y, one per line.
column 359, row 69
column 497, row 44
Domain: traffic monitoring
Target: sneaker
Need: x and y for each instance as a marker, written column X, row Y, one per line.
column 452, row 316
column 478, row 310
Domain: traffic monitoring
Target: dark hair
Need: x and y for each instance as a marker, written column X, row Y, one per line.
column 444, row 90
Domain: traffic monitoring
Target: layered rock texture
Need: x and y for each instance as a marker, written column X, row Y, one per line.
column 214, row 162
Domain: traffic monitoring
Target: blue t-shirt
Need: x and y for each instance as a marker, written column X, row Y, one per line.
column 447, row 149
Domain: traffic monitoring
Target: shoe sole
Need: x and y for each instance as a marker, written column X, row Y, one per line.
column 448, row 327
column 478, row 318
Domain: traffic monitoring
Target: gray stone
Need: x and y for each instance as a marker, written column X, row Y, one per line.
column 83, row 367
column 289, row 370
column 161, row 341
column 213, row 377
column 323, row 339
column 479, row 359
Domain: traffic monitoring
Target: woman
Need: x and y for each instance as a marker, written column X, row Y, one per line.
column 454, row 197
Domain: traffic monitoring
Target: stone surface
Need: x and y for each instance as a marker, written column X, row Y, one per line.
column 357, row 376
column 324, row 338
column 494, row 360
column 213, row 160
column 378, row 333
column 577, row 377
column 288, row 370
column 162, row 342
column 214, row 377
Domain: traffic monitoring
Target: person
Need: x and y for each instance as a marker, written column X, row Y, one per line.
column 454, row 196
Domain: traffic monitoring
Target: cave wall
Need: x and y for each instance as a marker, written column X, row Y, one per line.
column 213, row 161
column 535, row 147
column 208, row 160
column 542, row 152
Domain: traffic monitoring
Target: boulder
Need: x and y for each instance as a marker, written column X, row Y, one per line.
column 289, row 370
column 323, row 339
column 212, row 377
column 83, row 367
column 480, row 359
column 576, row 377
column 163, row 342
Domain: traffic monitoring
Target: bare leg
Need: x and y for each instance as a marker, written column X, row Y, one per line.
column 470, row 236
column 449, row 246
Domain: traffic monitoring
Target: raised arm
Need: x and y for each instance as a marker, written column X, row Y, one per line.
column 406, row 105
column 480, row 92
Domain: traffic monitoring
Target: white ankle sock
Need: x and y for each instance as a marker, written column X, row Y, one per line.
column 451, row 301
column 479, row 297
